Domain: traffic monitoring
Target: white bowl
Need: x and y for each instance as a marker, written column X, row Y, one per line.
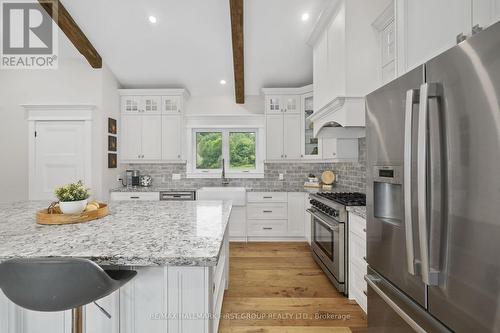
column 73, row 207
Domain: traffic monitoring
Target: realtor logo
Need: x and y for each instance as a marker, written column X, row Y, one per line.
column 29, row 35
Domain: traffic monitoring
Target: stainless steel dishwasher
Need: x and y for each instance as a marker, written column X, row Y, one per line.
column 174, row 195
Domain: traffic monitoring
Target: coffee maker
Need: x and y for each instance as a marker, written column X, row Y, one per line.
column 132, row 178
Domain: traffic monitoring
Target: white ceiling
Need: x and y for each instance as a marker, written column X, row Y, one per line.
column 190, row 46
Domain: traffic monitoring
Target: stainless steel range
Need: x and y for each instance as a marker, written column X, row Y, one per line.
column 328, row 232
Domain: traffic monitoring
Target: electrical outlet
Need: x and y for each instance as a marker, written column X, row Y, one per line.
column 176, row 176
column 281, row 176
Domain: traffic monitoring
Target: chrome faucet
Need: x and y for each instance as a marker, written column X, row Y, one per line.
column 225, row 181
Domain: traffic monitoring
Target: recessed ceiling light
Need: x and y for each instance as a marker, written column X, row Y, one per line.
column 305, row 17
column 152, row 19
column 223, row 82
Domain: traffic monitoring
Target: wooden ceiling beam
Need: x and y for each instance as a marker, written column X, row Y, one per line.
column 236, row 8
column 72, row 31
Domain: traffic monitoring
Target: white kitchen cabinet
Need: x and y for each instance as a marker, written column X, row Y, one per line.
column 357, row 260
column 151, row 145
column 292, row 136
column 340, row 150
column 427, row 28
column 141, row 104
column 274, row 136
column 135, row 196
column 152, row 125
column 97, row 322
column 141, row 137
column 172, row 137
column 275, row 216
column 311, row 148
column 283, row 138
column 485, row 12
column 282, row 103
column 286, row 123
column 237, row 223
column 171, row 104
column 296, row 208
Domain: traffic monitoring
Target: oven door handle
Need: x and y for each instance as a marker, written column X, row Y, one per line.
column 322, row 221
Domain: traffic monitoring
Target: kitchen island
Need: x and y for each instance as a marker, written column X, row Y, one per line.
column 179, row 249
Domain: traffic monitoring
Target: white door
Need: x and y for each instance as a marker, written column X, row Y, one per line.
column 131, row 134
column 171, row 137
column 485, row 12
column 59, row 156
column 274, row 136
column 151, row 138
column 432, row 27
column 292, row 137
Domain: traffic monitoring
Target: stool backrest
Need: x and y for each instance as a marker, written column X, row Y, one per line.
column 57, row 284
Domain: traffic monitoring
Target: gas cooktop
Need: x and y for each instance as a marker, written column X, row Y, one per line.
column 346, row 199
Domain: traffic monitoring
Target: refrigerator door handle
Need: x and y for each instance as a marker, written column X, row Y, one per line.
column 372, row 282
column 427, row 91
column 412, row 98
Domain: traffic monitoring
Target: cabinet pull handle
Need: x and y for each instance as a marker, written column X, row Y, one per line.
column 134, row 197
column 267, row 211
column 364, row 258
column 364, row 229
column 267, row 197
column 365, row 292
column 267, row 228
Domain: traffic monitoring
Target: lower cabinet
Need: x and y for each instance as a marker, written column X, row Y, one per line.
column 275, row 215
column 357, row 260
column 135, row 196
column 237, row 223
column 158, row 300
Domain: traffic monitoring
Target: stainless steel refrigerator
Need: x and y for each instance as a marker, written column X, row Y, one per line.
column 433, row 195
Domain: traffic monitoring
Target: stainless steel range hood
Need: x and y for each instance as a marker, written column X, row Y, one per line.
column 344, row 117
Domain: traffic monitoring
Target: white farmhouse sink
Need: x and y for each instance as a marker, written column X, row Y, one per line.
column 237, row 194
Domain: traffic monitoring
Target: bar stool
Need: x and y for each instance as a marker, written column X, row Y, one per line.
column 59, row 284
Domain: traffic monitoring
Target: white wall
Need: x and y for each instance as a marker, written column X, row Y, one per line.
column 224, row 104
column 74, row 82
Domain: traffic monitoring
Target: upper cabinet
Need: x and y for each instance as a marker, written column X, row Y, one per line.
column 289, row 130
column 151, row 125
column 346, row 62
column 141, row 104
column 427, row 28
column 282, row 103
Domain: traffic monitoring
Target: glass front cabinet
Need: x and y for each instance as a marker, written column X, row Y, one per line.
column 309, row 144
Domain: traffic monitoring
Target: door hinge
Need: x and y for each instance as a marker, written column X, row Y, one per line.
column 35, row 134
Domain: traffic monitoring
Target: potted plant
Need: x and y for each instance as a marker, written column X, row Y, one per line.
column 72, row 197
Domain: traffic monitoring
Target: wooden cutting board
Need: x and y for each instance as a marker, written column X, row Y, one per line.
column 45, row 218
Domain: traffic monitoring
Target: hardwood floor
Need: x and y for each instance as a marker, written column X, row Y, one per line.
column 278, row 288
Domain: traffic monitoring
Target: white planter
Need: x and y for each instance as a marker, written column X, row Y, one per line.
column 73, row 207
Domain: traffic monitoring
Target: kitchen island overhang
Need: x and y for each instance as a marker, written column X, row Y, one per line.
column 179, row 249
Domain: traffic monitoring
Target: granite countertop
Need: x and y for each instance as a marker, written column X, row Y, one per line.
column 148, row 233
column 256, row 189
column 358, row 210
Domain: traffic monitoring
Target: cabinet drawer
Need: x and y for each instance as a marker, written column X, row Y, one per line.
column 267, row 197
column 135, row 196
column 357, row 251
column 267, row 211
column 357, row 225
column 269, row 228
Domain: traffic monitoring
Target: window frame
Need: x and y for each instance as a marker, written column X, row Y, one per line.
column 258, row 172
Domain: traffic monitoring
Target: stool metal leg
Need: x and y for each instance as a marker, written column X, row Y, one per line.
column 77, row 320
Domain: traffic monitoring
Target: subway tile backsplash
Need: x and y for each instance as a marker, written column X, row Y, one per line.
column 350, row 176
